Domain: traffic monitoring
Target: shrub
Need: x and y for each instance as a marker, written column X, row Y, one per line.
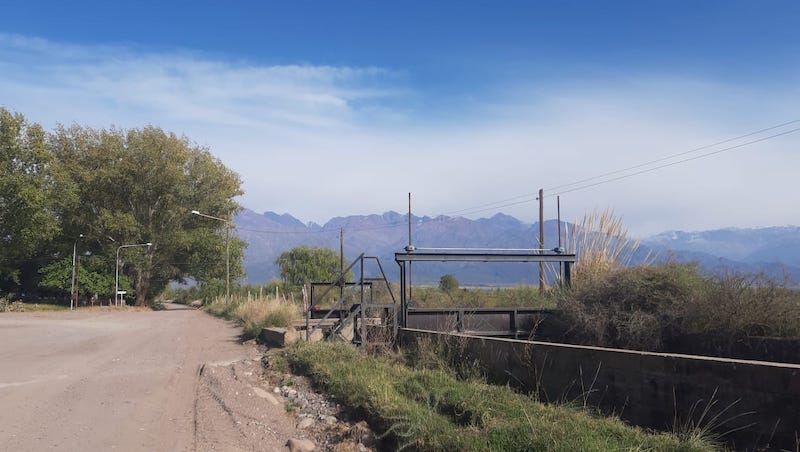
column 736, row 305
column 633, row 307
column 644, row 307
column 448, row 283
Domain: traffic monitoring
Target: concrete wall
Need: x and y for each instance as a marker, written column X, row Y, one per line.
column 649, row 389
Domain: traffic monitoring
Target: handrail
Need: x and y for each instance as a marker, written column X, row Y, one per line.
column 385, row 279
column 338, row 303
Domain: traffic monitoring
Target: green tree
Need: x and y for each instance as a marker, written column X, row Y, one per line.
column 140, row 185
column 32, row 194
column 303, row 264
column 93, row 277
column 448, row 283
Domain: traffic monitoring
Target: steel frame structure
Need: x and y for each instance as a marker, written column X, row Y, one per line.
column 475, row 255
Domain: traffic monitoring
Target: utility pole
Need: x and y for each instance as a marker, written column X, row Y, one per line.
column 541, row 239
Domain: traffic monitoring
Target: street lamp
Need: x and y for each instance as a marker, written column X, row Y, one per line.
column 116, row 277
column 73, row 298
column 227, row 252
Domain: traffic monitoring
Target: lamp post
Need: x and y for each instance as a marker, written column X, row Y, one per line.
column 72, row 297
column 227, row 252
column 116, row 275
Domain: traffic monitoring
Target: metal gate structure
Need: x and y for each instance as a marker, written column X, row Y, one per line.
column 504, row 322
column 368, row 318
column 376, row 323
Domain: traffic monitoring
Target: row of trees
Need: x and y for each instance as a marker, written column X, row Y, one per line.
column 98, row 189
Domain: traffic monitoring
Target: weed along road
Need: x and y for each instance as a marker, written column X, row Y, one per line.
column 131, row 380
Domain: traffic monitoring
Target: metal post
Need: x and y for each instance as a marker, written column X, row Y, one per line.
column 116, row 280
column 72, row 281
column 410, row 247
column 363, row 311
column 307, row 307
column 77, row 278
column 228, row 263
column 558, row 213
column 402, row 312
column 341, row 263
column 541, row 239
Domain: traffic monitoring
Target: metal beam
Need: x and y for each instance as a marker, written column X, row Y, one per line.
column 482, row 257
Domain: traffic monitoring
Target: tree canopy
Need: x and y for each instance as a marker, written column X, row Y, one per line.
column 114, row 187
column 32, row 194
column 448, row 283
column 304, row 264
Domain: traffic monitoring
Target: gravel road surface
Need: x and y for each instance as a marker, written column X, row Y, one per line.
column 174, row 380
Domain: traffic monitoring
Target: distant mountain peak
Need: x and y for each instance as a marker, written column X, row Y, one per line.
column 284, row 220
column 382, row 235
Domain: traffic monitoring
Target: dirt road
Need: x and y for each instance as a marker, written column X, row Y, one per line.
column 158, row 381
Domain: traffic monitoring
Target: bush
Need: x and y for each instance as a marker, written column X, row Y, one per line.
column 632, row 307
column 448, row 283
column 644, row 307
column 736, row 305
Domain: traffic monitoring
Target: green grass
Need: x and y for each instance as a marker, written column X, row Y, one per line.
column 523, row 295
column 19, row 306
column 430, row 410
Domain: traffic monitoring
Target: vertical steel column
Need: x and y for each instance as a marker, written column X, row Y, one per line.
column 363, row 310
column 402, row 313
column 308, row 312
column 541, row 240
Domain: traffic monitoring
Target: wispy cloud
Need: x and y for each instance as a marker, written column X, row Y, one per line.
column 321, row 141
column 180, row 86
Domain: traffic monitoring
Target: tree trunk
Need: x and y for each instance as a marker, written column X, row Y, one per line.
column 142, row 287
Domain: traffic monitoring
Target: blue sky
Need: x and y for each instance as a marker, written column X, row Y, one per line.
column 336, row 108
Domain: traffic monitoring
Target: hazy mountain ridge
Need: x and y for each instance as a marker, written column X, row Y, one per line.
column 773, row 244
column 775, row 249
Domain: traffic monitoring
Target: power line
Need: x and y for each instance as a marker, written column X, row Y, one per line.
column 730, row 148
column 670, row 157
column 530, row 197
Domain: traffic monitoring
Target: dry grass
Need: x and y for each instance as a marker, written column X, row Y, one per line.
column 254, row 313
column 601, row 243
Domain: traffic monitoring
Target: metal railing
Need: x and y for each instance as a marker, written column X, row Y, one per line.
column 357, row 312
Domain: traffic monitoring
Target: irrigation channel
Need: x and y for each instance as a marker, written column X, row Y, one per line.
column 753, row 404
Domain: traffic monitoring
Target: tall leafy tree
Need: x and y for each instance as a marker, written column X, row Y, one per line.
column 92, row 278
column 139, row 186
column 304, row 264
column 32, row 194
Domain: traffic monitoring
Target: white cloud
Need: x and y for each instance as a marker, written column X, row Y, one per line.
column 321, row 141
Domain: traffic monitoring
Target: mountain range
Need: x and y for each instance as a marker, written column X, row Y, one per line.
column 774, row 250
